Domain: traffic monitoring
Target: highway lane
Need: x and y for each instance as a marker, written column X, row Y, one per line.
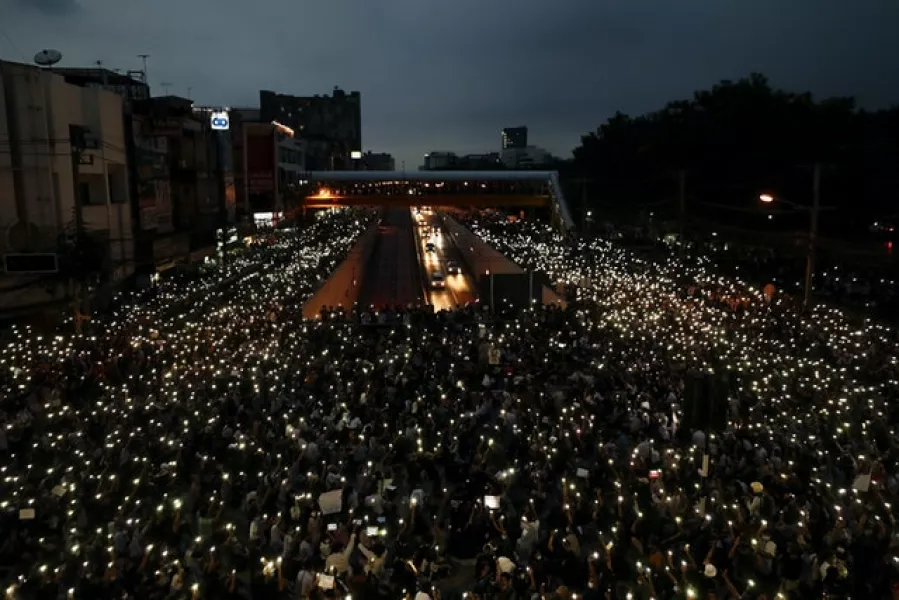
column 460, row 288
column 393, row 276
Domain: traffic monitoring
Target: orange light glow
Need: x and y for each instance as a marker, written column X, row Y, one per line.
column 283, row 128
column 323, row 193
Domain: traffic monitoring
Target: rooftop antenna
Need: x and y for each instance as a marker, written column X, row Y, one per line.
column 165, row 87
column 102, row 72
column 189, row 90
column 47, row 58
column 144, row 58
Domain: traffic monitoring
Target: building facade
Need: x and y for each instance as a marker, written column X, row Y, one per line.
column 437, row 161
column 514, row 137
column 255, row 148
column 63, row 176
column 377, row 161
column 449, row 161
column 529, row 157
column 489, row 161
column 331, row 125
column 192, row 205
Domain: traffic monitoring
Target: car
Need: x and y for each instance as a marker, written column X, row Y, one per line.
column 430, row 247
column 452, row 267
column 438, row 281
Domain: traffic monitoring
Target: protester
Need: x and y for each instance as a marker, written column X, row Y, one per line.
column 228, row 448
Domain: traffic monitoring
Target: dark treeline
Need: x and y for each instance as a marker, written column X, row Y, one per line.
column 736, row 141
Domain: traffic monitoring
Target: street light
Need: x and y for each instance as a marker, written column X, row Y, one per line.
column 813, row 229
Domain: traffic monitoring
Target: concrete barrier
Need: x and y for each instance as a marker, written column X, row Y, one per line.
column 344, row 285
column 479, row 257
column 483, row 260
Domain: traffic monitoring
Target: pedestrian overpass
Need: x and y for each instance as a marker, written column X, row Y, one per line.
column 462, row 189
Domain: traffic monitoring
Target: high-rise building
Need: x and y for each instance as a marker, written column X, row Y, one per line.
column 331, row 125
column 63, row 187
column 515, row 137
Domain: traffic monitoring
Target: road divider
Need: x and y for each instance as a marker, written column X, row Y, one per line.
column 343, row 286
column 483, row 260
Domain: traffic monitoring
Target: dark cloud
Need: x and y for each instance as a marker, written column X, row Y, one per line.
column 450, row 75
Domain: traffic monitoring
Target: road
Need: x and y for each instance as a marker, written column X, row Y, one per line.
column 393, row 276
column 460, row 289
column 399, row 270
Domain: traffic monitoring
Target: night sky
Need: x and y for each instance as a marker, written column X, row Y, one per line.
column 449, row 75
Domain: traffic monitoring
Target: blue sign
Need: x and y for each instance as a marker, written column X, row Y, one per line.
column 219, row 121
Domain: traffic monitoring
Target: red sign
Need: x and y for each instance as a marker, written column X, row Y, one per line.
column 260, row 165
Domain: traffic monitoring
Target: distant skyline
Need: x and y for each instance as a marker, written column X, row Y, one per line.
column 450, row 76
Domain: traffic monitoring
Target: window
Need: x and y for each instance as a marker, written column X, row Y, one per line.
column 84, row 193
column 30, row 263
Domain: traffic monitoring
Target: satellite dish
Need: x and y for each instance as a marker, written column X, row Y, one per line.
column 48, row 58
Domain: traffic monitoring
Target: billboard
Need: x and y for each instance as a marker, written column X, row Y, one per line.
column 260, row 167
column 219, row 121
column 267, row 219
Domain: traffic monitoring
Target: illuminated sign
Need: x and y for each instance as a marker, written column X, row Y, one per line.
column 355, row 154
column 219, row 121
column 283, row 128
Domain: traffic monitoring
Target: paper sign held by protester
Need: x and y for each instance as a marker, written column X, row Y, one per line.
column 583, row 473
column 26, row 514
column 493, row 355
column 862, row 483
column 326, row 582
column 331, row 502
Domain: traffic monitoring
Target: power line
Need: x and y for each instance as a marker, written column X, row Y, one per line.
column 14, row 46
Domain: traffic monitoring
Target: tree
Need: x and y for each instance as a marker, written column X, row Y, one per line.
column 741, row 138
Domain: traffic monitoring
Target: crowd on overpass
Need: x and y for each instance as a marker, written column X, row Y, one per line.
column 209, row 443
column 432, row 188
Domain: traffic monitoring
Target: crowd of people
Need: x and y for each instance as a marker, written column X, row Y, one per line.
column 210, row 443
column 868, row 286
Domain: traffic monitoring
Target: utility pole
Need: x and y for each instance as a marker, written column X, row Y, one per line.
column 103, row 74
column 78, row 144
column 584, row 212
column 682, row 198
column 812, row 235
column 586, row 216
column 165, row 87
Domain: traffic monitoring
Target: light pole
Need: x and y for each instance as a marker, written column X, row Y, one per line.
column 813, row 229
